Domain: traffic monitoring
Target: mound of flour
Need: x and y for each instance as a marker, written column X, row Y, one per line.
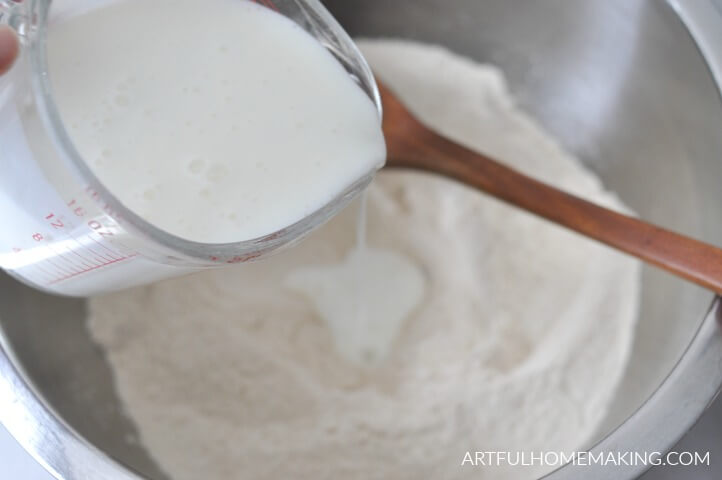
column 518, row 345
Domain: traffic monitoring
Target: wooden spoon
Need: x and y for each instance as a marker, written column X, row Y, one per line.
column 413, row 145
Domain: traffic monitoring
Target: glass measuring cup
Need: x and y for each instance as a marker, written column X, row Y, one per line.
column 64, row 231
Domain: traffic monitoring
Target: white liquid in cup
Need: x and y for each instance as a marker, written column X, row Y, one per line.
column 223, row 121
column 219, row 121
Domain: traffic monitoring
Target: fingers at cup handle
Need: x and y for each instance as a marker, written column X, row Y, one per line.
column 9, row 48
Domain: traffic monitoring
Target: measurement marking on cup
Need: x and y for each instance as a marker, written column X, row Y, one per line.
column 59, row 268
column 114, row 242
column 99, row 257
column 90, row 255
column 107, row 256
column 49, row 275
column 94, row 256
column 78, row 211
column 72, row 275
column 98, row 227
column 84, row 261
column 74, row 256
column 105, row 232
column 58, row 223
column 55, row 222
column 71, row 265
column 44, row 275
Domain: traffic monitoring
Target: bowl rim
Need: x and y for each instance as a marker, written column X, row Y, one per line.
column 690, row 387
column 67, row 455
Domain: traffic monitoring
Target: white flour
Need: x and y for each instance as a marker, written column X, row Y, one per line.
column 519, row 344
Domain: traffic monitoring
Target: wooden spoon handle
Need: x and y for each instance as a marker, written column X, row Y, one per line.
column 696, row 261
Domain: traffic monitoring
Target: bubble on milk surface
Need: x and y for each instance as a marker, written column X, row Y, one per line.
column 217, row 172
column 122, row 100
column 196, row 166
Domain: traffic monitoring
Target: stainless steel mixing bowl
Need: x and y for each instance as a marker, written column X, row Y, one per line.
column 628, row 85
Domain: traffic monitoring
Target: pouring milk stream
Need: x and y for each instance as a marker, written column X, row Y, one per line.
column 163, row 139
column 218, row 128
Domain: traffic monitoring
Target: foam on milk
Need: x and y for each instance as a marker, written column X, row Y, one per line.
column 217, row 124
